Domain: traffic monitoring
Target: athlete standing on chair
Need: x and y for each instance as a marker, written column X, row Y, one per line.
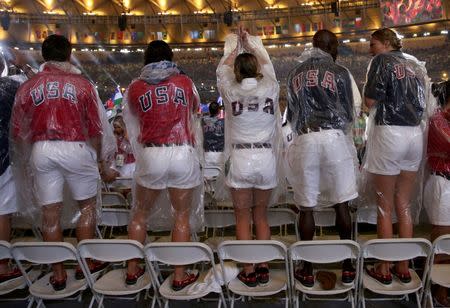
column 249, row 88
column 58, row 130
column 322, row 97
column 160, row 107
column 396, row 92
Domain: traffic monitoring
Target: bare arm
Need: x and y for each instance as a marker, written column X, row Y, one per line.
column 369, row 102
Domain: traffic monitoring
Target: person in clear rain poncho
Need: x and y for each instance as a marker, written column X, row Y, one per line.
column 396, row 92
column 159, row 113
column 322, row 104
column 60, row 135
column 247, row 83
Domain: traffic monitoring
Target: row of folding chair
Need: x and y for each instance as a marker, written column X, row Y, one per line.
column 281, row 277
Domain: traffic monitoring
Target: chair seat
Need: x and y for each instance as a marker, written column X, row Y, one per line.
column 18, row 283
column 440, row 274
column 395, row 288
column 43, row 289
column 25, row 239
column 317, row 288
column 195, row 290
column 113, row 283
column 277, row 283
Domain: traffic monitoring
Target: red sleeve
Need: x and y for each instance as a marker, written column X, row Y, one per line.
column 93, row 122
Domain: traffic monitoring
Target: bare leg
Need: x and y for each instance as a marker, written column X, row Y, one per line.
column 307, row 226
column 181, row 200
column 52, row 232
column 404, row 189
column 87, row 222
column 344, row 226
column 242, row 202
column 385, row 190
column 5, row 235
column 261, row 200
column 137, row 229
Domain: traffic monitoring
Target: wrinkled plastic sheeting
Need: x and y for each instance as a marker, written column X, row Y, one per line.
column 250, row 130
column 55, row 120
column 161, row 214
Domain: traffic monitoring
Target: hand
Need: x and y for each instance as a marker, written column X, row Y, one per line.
column 109, row 175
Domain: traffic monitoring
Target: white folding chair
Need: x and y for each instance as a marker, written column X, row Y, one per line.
column 114, row 199
column 215, row 220
column 47, row 253
column 392, row 250
column 20, row 222
column 182, row 253
column 256, row 252
column 112, row 283
column 323, row 252
column 14, row 284
column 283, row 217
column 113, row 217
column 438, row 273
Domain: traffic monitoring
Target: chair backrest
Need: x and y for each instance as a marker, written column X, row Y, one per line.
column 252, row 251
column 43, row 252
column 110, row 250
column 5, row 250
column 328, row 251
column 178, row 253
column 281, row 216
column 211, row 172
column 114, row 217
column 442, row 245
column 113, row 199
column 396, row 249
column 219, row 218
column 325, row 217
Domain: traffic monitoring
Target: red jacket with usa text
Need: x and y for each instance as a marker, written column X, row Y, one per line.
column 56, row 104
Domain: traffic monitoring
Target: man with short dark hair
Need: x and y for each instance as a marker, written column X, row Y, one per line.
column 160, row 107
column 58, row 124
column 322, row 96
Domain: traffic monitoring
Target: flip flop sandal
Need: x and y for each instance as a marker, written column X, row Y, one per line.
column 385, row 280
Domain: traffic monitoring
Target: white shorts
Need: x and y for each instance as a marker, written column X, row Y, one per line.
column 321, row 168
column 54, row 162
column 8, row 201
column 393, row 149
column 252, row 168
column 437, row 200
column 168, row 166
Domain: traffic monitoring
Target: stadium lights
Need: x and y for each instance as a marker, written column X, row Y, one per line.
column 90, row 13
column 444, row 32
column 426, row 34
column 308, row 44
column 113, row 49
column 124, row 50
column 415, row 35
column 31, row 48
column 287, row 45
column 362, row 40
column 16, row 48
column 346, row 41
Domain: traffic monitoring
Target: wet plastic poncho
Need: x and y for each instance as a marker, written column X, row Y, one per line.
column 252, row 114
column 400, row 87
column 160, row 112
column 322, row 98
column 55, row 111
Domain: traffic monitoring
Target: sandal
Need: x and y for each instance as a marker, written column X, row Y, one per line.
column 262, row 274
column 440, row 298
column 58, row 285
column 132, row 279
column 385, row 280
column 348, row 275
column 403, row 277
column 12, row 274
column 94, row 266
column 305, row 278
column 249, row 279
column 190, row 277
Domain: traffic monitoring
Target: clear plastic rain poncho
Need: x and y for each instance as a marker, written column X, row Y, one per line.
column 437, row 187
column 166, row 137
column 400, row 87
column 323, row 101
column 252, row 122
column 57, row 123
